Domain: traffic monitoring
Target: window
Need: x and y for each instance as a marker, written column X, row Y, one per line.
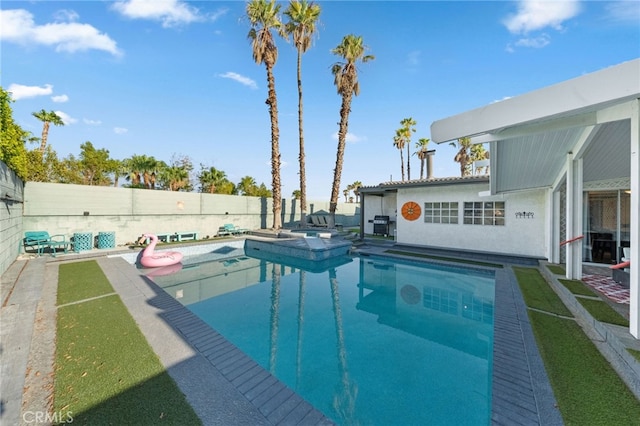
column 484, row 213
column 439, row 212
column 440, row 300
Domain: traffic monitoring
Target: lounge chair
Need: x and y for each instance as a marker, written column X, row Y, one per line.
column 231, row 229
column 41, row 240
column 223, row 231
column 318, row 221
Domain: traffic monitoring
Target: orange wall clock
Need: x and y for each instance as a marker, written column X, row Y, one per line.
column 411, row 210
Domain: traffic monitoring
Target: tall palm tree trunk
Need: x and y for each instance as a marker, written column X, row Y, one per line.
column 275, row 148
column 408, row 161
column 45, row 136
column 402, row 164
column 301, row 156
column 345, row 109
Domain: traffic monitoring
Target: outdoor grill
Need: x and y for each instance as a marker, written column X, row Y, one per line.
column 381, row 225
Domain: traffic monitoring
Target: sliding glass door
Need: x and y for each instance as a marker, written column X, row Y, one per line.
column 607, row 225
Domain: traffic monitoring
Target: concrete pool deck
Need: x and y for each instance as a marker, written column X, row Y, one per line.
column 220, row 382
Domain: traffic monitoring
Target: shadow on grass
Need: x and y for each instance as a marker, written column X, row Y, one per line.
column 106, row 372
column 151, row 402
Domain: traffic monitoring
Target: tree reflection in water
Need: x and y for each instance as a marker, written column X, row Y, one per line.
column 344, row 400
column 276, row 274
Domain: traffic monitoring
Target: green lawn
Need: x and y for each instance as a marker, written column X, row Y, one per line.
column 599, row 309
column 578, row 287
column 105, row 371
column 80, row 281
column 587, row 389
column 556, row 269
column 602, row 312
column 537, row 293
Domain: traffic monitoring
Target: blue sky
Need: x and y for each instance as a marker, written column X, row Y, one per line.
column 173, row 78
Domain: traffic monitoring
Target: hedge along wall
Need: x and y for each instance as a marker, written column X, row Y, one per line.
column 11, row 196
column 67, row 209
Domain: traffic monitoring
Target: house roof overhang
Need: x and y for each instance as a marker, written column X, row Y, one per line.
column 530, row 135
column 393, row 187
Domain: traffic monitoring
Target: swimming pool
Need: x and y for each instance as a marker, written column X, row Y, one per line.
column 366, row 340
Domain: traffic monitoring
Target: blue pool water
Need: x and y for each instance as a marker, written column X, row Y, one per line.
column 366, row 340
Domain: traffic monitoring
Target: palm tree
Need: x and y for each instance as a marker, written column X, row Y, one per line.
column 345, row 192
column 478, row 153
column 211, row 179
column 119, row 168
column 264, row 16
column 421, row 145
column 463, row 155
column 153, row 168
column 296, row 194
column 247, row 186
column 352, row 50
column 226, row 187
column 303, row 17
column 137, row 164
column 47, row 118
column 408, row 127
column 174, row 178
column 398, row 142
column 355, row 186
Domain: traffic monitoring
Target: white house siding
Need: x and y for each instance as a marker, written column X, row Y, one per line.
column 380, row 206
column 518, row 236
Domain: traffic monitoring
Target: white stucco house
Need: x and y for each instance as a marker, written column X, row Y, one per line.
column 458, row 213
column 564, row 184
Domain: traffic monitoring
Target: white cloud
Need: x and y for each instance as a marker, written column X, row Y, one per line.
column 66, row 118
column 218, row 13
column 624, row 11
column 535, row 15
column 120, row 130
column 170, row 12
column 19, row 27
column 60, row 99
column 91, row 122
column 240, row 79
column 67, row 15
column 350, row 138
column 413, row 58
column 534, row 42
column 19, row 91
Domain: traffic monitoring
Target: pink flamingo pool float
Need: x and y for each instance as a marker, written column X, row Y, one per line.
column 151, row 259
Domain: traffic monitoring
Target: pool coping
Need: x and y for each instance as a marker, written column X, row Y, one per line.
column 521, row 392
